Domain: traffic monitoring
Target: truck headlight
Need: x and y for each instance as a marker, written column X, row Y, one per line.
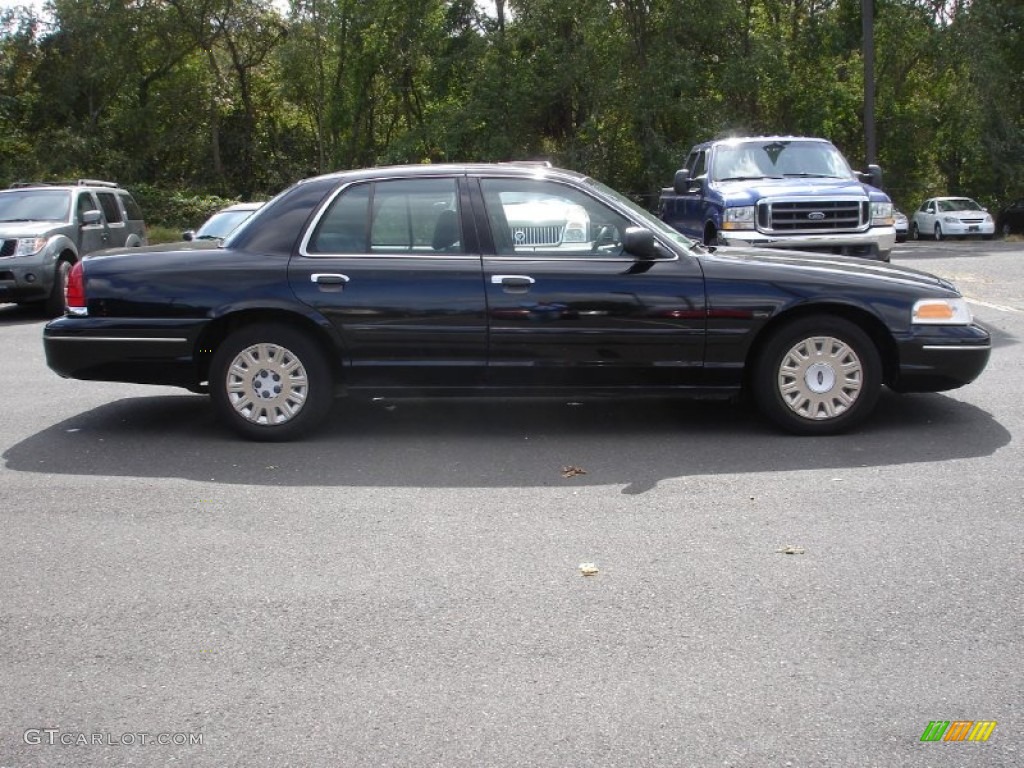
column 941, row 312
column 741, row 217
column 28, row 246
column 882, row 215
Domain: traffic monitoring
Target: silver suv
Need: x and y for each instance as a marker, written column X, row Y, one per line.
column 46, row 228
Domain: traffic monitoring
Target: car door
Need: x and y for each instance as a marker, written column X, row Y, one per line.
column 395, row 268
column 94, row 236
column 116, row 229
column 694, row 202
column 569, row 308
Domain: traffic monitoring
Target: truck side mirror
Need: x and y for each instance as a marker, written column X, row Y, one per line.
column 92, row 216
column 872, row 176
column 681, row 181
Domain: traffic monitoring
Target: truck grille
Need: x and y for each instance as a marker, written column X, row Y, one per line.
column 802, row 216
column 536, row 235
column 7, row 249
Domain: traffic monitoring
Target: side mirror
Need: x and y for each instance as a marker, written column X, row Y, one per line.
column 92, row 216
column 188, row 234
column 639, row 241
column 872, row 176
column 681, row 181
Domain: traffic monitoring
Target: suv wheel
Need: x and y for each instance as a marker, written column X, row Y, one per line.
column 56, row 302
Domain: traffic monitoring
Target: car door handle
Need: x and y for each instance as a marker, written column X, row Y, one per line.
column 328, row 278
column 513, row 281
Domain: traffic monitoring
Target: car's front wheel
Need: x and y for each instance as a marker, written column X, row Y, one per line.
column 915, row 233
column 270, row 382
column 818, row 375
column 57, row 300
column 938, row 232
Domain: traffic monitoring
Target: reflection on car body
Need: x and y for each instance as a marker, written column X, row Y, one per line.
column 409, row 281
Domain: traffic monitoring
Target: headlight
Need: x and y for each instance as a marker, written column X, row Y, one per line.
column 951, row 219
column 29, row 245
column 881, row 215
column 941, row 312
column 575, row 232
column 739, row 218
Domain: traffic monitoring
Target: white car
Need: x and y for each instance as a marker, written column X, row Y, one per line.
column 223, row 222
column 941, row 217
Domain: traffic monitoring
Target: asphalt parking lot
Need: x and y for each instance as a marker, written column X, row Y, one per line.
column 405, row 589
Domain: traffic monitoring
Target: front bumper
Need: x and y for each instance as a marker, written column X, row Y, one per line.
column 874, row 243
column 960, row 229
column 939, row 358
column 26, row 278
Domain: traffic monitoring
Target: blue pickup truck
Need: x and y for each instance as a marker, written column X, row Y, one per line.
column 789, row 192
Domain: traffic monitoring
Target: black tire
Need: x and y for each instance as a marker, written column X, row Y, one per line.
column 915, row 233
column 270, row 382
column 938, row 232
column 796, row 382
column 56, row 302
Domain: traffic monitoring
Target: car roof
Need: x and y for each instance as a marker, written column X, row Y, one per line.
column 93, row 184
column 744, row 139
column 525, row 169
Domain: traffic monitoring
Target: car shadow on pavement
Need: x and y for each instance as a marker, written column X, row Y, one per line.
column 495, row 443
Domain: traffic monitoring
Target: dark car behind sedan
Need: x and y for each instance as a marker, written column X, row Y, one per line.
column 1010, row 220
column 412, row 281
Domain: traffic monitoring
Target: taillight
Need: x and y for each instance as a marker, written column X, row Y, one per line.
column 75, row 295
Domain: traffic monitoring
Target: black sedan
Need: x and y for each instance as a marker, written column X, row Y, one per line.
column 503, row 279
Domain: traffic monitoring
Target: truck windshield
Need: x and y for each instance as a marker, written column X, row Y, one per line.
column 778, row 160
column 35, row 205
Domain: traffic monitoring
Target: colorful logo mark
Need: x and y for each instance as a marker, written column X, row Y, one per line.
column 958, row 730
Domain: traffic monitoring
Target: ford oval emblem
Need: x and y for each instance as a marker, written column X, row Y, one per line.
column 816, row 216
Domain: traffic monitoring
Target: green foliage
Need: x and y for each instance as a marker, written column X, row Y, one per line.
column 175, row 209
column 231, row 99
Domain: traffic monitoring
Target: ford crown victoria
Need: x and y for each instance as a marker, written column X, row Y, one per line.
column 412, row 281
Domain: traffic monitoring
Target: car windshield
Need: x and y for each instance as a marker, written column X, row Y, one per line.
column 221, row 224
column 778, row 159
column 959, row 204
column 645, row 217
column 35, row 205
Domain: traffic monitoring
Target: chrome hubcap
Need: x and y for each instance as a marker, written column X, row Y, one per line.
column 267, row 384
column 820, row 378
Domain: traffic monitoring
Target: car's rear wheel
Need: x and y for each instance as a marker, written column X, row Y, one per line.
column 270, row 382
column 818, row 376
column 938, row 232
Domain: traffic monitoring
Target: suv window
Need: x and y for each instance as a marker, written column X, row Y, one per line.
column 35, row 205
column 112, row 211
column 85, row 203
column 130, row 206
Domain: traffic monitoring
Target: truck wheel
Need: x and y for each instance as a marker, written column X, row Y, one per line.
column 818, row 375
column 711, row 236
column 56, row 302
column 270, row 382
